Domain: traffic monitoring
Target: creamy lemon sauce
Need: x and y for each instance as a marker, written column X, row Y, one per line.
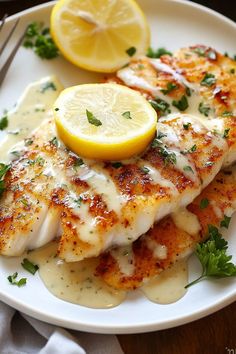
column 74, row 282
column 29, row 112
column 125, row 259
column 187, row 221
column 168, row 286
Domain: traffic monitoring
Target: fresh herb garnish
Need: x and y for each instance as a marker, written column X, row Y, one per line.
column 3, row 122
column 182, row 104
column 78, row 162
column 208, row 80
column 188, row 169
column 226, row 133
column 39, row 39
column 209, row 163
column 167, row 155
column 169, row 88
column 160, row 105
column 48, row 86
column 92, row 119
column 54, row 141
column 3, row 170
column 232, row 71
column 212, row 255
column 227, row 114
column 28, row 141
column 56, row 109
column 205, row 52
column 30, row 267
column 204, row 203
column 204, row 109
column 151, row 53
column 116, row 164
column 225, row 222
column 186, row 125
column 12, row 279
column 188, row 91
column 131, row 51
column 127, row 115
column 145, row 170
column 78, row 201
column 192, row 149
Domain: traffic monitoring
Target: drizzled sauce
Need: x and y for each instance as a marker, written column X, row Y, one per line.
column 74, row 282
column 168, row 287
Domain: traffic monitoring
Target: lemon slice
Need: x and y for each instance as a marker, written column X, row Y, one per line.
column 99, row 35
column 104, row 121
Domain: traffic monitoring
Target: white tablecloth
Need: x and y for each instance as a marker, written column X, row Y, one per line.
column 21, row 334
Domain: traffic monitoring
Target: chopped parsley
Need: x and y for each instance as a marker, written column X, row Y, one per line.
column 182, row 104
column 208, row 80
column 56, row 109
column 188, row 91
column 78, row 162
column 213, row 257
column 151, row 53
column 226, row 133
column 160, row 105
column 225, row 222
column 30, row 267
column 39, row 40
column 127, row 115
column 232, row 71
column 205, row 52
column 28, row 141
column 169, row 88
column 3, row 122
column 3, row 170
column 116, row 164
column 54, row 141
column 48, row 86
column 92, row 119
column 227, row 114
column 204, row 109
column 186, row 125
column 167, row 155
column 188, row 169
column 209, row 163
column 131, row 51
column 204, row 203
column 78, row 201
column 145, row 170
column 192, row 149
column 13, row 280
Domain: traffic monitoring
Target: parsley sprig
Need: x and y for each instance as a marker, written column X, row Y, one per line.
column 213, row 257
column 38, row 38
column 3, row 170
column 13, row 280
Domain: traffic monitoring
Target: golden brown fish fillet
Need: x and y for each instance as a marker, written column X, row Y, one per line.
column 95, row 205
column 176, row 242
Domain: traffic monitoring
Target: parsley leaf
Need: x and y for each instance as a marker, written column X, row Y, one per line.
column 212, row 255
column 160, row 105
column 3, row 170
column 30, row 267
column 167, row 155
column 227, row 114
column 92, row 119
column 39, row 39
column 3, row 122
column 208, row 80
column 13, row 280
column 127, row 115
column 116, row 164
column 204, row 109
column 182, row 104
column 145, row 170
column 151, row 53
column 54, row 141
column 186, row 125
column 226, row 133
column 131, row 51
column 48, row 86
column 225, row 222
column 204, row 203
column 169, row 88
column 188, row 169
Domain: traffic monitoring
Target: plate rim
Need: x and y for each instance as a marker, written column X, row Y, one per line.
column 123, row 328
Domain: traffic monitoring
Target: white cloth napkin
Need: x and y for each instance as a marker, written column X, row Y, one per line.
column 21, row 334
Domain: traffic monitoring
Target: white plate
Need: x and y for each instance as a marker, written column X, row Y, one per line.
column 173, row 24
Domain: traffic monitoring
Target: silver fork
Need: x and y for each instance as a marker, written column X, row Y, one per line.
column 5, row 66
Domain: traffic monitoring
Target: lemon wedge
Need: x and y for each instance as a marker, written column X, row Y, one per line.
column 99, row 35
column 104, row 121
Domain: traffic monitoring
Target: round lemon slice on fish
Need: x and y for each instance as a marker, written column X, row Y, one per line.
column 99, row 35
column 104, row 121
